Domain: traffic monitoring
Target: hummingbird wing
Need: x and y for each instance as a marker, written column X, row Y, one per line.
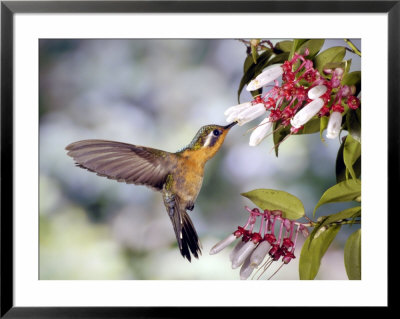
column 185, row 232
column 123, row 162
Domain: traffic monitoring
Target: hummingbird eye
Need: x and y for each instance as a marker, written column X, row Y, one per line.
column 216, row 132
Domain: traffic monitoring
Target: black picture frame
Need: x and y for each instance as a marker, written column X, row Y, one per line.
column 9, row 8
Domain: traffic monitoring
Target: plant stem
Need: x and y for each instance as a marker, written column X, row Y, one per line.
column 353, row 47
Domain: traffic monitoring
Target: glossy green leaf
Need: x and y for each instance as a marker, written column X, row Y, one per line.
column 253, row 69
column 296, row 44
column 313, row 45
column 352, row 256
column 351, row 152
column 254, row 53
column 333, row 54
column 335, row 65
column 271, row 199
column 348, row 190
column 323, row 125
column 279, row 58
column 353, row 123
column 285, row 46
column 311, row 126
column 348, row 65
column 312, row 252
column 348, row 213
column 279, row 135
column 353, row 78
column 248, row 62
column 340, row 167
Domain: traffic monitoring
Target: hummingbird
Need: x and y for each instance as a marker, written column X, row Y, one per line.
column 178, row 176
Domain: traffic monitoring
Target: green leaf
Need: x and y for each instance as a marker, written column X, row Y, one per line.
column 348, row 213
column 353, row 123
column 351, row 152
column 333, row 54
column 348, row 190
column 252, row 69
column 313, row 45
column 271, row 199
column 323, row 125
column 340, row 167
column 248, row 62
column 352, row 256
column 254, row 53
column 353, row 78
column 296, row 44
column 348, row 65
column 279, row 58
column 311, row 126
column 312, row 252
column 285, row 46
column 279, row 135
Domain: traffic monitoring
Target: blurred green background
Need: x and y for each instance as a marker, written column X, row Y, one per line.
column 158, row 93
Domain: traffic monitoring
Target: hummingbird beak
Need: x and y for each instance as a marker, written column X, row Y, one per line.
column 230, row 125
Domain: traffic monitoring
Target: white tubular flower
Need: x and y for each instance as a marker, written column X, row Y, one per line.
column 307, row 112
column 259, row 253
column 236, row 109
column 222, row 244
column 334, row 124
column 243, row 253
column 317, row 91
column 234, row 251
column 269, row 74
column 249, row 114
column 260, row 132
column 246, row 269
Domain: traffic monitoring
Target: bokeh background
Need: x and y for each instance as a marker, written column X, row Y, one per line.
column 158, row 93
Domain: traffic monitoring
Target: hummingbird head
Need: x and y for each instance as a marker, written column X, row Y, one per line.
column 209, row 139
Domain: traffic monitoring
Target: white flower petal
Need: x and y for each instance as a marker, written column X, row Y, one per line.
column 269, row 74
column 242, row 254
column 334, row 124
column 234, row 251
column 246, row 269
column 317, row 91
column 237, row 108
column 307, row 112
column 259, row 253
column 260, row 132
column 222, row 244
column 250, row 114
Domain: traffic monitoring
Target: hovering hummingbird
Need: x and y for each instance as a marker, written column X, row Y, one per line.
column 178, row 176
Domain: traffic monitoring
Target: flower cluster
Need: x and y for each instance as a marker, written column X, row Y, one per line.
column 251, row 250
column 303, row 94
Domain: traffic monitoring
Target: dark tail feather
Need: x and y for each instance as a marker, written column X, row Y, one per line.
column 190, row 237
column 185, row 233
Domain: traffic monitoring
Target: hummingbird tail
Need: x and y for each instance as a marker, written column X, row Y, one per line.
column 185, row 233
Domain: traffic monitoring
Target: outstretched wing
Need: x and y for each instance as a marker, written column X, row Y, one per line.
column 122, row 162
